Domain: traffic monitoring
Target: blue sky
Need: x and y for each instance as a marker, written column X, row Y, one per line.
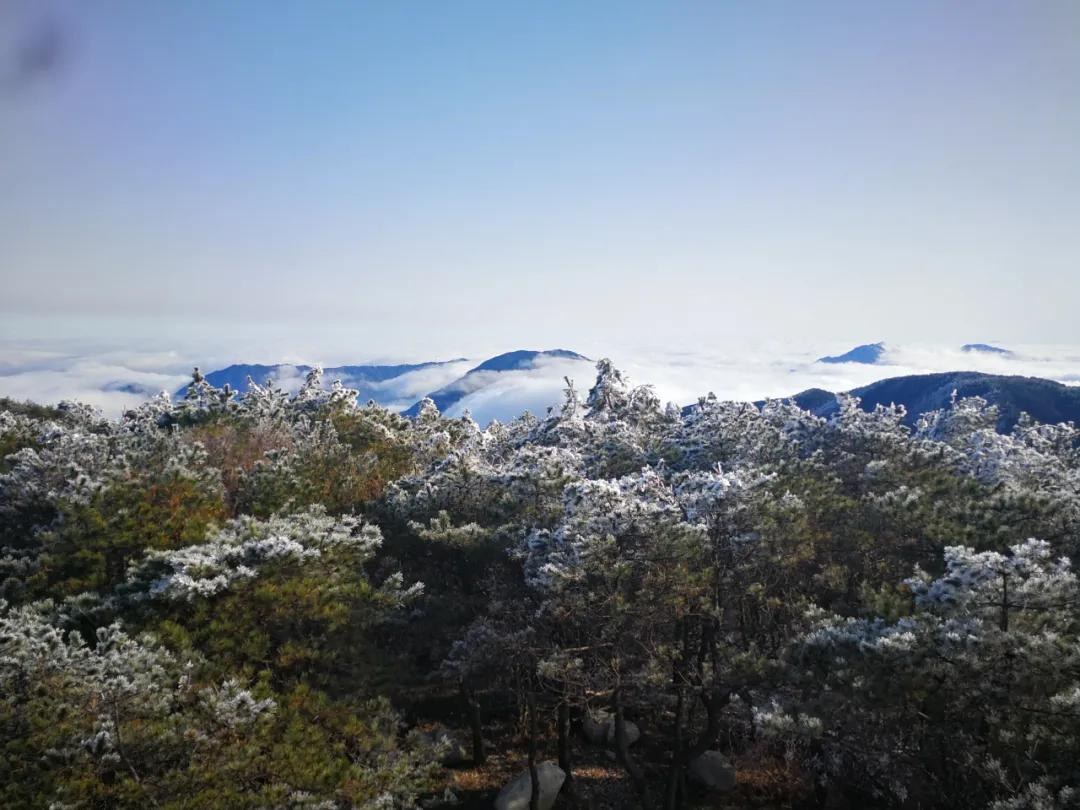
column 444, row 178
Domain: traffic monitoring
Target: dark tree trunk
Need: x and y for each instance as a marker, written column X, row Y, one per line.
column 1003, row 619
column 472, row 705
column 675, row 795
column 115, row 566
column 563, row 722
column 622, row 746
column 714, row 701
column 534, row 776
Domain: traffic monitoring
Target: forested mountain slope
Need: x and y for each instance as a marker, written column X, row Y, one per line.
column 1044, row 400
column 302, row 602
column 237, row 375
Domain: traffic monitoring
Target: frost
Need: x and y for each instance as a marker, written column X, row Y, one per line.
column 244, row 548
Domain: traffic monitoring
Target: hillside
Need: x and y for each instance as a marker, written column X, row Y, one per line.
column 236, row 376
column 1047, row 401
column 396, row 386
column 484, row 374
column 307, row 602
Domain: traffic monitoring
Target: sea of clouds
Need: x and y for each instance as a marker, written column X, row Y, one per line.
column 755, row 373
column 115, row 379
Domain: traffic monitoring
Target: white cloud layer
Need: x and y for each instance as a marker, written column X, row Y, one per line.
column 114, row 380
column 108, row 381
column 402, row 391
column 506, row 394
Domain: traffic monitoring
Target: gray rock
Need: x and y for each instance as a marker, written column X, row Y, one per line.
column 595, row 725
column 516, row 794
column 447, row 799
column 599, row 729
column 633, row 733
column 713, row 771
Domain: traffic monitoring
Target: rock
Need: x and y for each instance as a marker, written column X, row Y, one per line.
column 713, row 771
column 633, row 733
column 516, row 794
column 447, row 799
column 594, row 726
column 599, row 729
column 456, row 750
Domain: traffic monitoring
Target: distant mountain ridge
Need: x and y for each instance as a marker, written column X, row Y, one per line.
column 985, row 348
column 375, row 381
column 476, row 378
column 524, row 359
column 499, row 378
column 868, row 354
column 236, row 376
column 872, row 353
column 1045, row 400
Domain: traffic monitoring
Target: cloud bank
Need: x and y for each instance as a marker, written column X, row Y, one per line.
column 114, row 379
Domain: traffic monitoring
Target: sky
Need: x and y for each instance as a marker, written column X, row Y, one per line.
column 351, row 181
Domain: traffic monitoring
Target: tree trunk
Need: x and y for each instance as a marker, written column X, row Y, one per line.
column 714, row 701
column 563, row 722
column 622, row 747
column 472, row 705
column 674, row 797
column 534, row 777
column 1003, row 619
column 115, row 566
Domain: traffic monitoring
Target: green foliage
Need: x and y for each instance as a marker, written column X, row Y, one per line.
column 91, row 545
column 210, row 603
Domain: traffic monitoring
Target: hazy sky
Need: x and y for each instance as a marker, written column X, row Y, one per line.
column 454, row 178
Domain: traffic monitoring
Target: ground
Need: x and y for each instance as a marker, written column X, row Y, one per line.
column 762, row 782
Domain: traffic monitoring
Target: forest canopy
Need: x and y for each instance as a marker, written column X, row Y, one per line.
column 261, row 600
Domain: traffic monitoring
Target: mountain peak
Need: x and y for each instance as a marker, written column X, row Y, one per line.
column 478, row 377
column 524, row 359
column 868, row 353
column 984, row 348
